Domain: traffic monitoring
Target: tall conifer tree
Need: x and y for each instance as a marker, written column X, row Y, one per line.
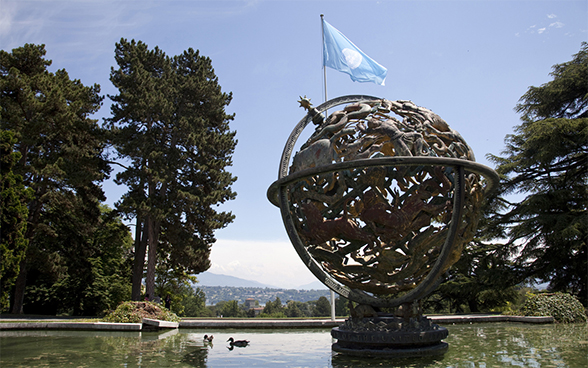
column 60, row 146
column 13, row 217
column 546, row 160
column 169, row 123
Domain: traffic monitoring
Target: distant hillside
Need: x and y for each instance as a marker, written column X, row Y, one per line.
column 317, row 285
column 213, row 279
column 215, row 294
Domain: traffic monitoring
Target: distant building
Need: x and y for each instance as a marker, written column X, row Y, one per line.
column 250, row 303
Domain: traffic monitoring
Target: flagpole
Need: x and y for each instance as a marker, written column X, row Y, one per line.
column 324, row 66
column 326, row 115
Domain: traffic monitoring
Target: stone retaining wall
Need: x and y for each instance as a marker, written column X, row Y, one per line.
column 149, row 324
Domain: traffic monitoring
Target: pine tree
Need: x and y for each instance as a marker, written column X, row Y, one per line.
column 60, row 146
column 322, row 308
column 546, row 161
column 169, row 122
column 13, row 216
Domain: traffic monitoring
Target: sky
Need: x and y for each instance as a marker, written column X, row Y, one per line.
column 468, row 61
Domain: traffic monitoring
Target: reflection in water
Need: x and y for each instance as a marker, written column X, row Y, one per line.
column 476, row 345
column 342, row 361
column 195, row 357
column 561, row 345
column 100, row 349
column 499, row 345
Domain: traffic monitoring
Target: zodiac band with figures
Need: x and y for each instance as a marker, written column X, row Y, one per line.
column 381, row 199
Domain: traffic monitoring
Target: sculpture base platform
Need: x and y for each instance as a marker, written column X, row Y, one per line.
column 424, row 351
column 390, row 337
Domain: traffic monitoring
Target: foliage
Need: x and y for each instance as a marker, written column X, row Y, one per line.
column 134, row 312
column 274, row 315
column 13, row 217
column 341, row 306
column 215, row 294
column 83, row 269
column 273, row 309
column 513, row 308
column 177, row 284
column 482, row 280
column 293, row 309
column 232, row 309
column 169, row 122
column 546, row 160
column 561, row 306
column 60, row 146
column 192, row 302
column 322, row 307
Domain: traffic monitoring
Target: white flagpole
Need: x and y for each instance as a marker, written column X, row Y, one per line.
column 326, row 115
column 324, row 66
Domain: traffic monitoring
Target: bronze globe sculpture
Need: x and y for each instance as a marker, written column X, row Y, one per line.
column 378, row 203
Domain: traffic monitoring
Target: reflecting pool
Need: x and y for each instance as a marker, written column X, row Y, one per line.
column 472, row 345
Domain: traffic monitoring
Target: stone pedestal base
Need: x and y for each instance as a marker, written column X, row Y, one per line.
column 390, row 337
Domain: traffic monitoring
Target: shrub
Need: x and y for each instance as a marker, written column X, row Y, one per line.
column 134, row 312
column 273, row 315
column 562, row 307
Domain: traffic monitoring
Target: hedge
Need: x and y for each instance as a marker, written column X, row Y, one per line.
column 562, row 307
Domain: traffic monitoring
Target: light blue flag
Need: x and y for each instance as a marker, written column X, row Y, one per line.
column 341, row 54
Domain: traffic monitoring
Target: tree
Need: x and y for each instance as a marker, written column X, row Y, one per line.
column 169, row 122
column 482, row 279
column 322, row 308
column 110, row 264
column 292, row 309
column 341, row 306
column 273, row 309
column 232, row 309
column 177, row 284
column 79, row 268
column 546, row 160
column 60, row 146
column 194, row 303
column 13, row 216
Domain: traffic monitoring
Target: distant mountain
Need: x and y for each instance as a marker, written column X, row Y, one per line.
column 315, row 285
column 213, row 279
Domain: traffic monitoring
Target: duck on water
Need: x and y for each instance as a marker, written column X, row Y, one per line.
column 237, row 343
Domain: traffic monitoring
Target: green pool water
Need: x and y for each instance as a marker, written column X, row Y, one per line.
column 472, row 345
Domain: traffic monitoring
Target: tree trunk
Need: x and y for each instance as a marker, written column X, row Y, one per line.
column 139, row 263
column 21, row 280
column 19, row 289
column 473, row 304
column 153, row 240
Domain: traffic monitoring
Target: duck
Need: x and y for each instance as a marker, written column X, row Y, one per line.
column 208, row 338
column 238, row 343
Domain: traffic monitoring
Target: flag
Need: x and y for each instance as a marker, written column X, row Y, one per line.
column 341, row 54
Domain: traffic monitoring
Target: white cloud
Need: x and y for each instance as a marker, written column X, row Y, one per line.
column 543, row 29
column 272, row 263
column 21, row 21
column 6, row 18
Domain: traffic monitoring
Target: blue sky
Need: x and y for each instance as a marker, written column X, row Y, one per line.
column 468, row 61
